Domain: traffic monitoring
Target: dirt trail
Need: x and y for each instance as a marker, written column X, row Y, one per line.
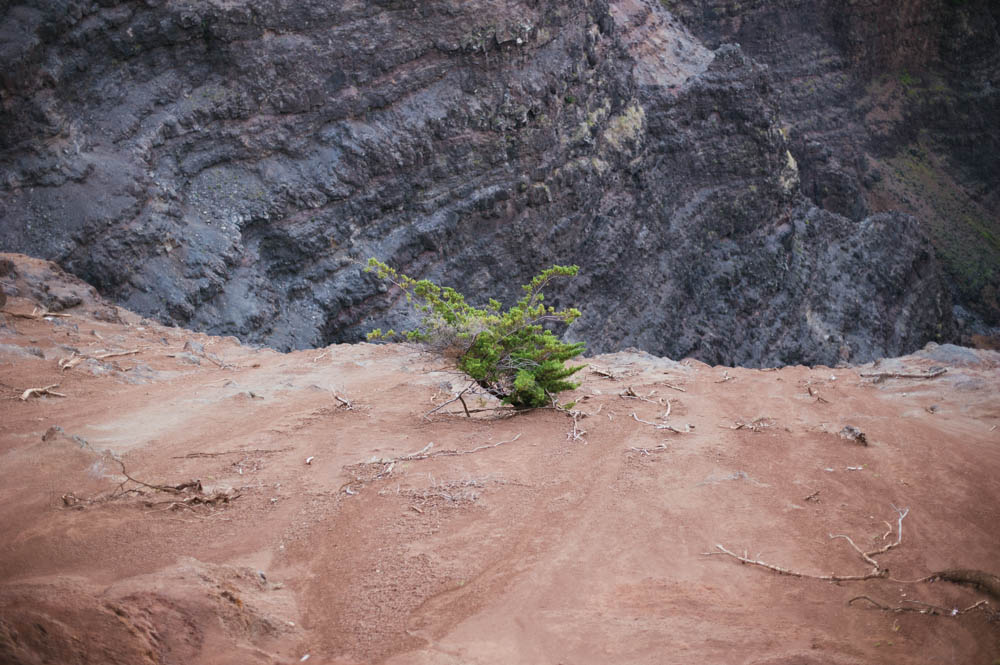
column 540, row 549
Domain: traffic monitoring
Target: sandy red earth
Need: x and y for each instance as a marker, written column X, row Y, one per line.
column 332, row 520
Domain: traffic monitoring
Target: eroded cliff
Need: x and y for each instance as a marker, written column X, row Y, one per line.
column 224, row 165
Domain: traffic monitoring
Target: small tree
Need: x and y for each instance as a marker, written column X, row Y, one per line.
column 510, row 354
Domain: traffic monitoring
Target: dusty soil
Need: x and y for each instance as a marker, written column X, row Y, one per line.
column 310, row 536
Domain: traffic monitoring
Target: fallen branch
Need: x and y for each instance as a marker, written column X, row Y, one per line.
column 343, row 402
column 725, row 377
column 47, row 390
column 673, row 387
column 882, row 376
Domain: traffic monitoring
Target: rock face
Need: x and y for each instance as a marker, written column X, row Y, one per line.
column 890, row 106
column 225, row 165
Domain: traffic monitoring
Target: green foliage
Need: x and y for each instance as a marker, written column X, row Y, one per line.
column 508, row 353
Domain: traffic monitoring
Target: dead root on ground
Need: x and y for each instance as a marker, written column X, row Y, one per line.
column 756, row 425
column 472, row 389
column 184, row 495
column 36, row 313
column 878, row 377
column 47, row 390
column 988, row 583
column 76, row 358
column 376, row 468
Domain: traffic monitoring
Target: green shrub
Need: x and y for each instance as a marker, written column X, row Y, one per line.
column 510, row 354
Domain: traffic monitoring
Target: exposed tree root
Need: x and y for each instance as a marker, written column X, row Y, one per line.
column 986, row 582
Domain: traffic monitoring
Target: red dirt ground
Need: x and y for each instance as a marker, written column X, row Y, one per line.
column 539, row 549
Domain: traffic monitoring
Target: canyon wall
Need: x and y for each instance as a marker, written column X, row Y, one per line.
column 739, row 183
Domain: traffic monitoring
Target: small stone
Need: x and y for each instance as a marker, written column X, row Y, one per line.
column 854, row 434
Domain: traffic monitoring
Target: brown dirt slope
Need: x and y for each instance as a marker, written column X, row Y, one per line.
column 309, row 535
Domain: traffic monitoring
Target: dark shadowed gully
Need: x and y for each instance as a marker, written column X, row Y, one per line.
column 740, row 183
